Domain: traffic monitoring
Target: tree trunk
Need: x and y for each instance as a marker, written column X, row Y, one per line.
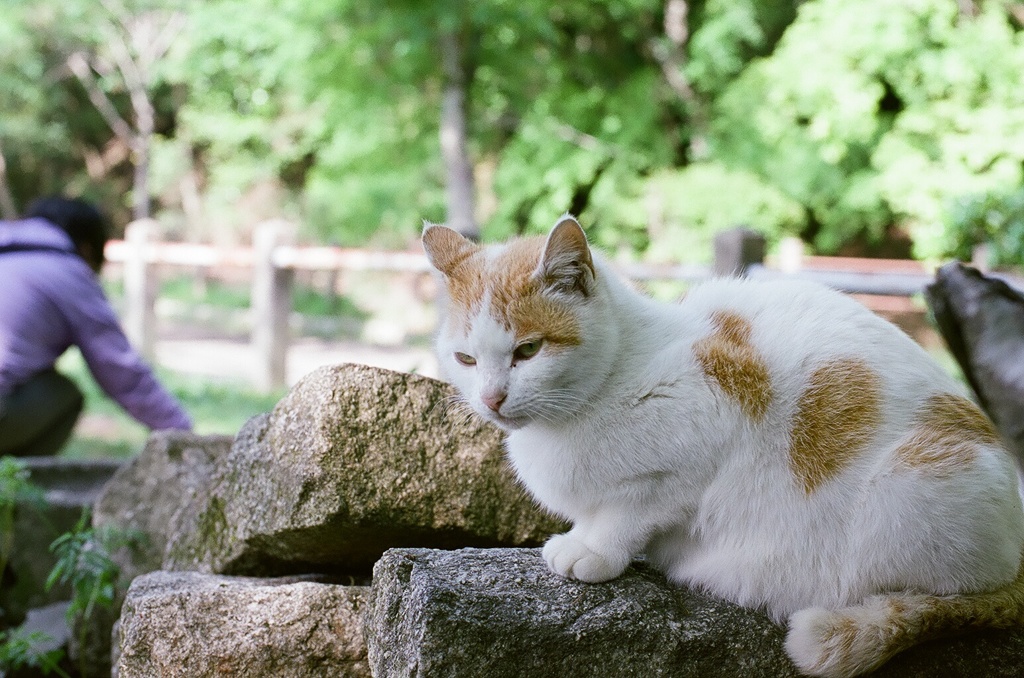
column 7, row 208
column 454, row 143
column 142, row 140
column 671, row 56
column 140, row 181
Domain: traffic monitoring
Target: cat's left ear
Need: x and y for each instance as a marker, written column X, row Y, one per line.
column 446, row 248
column 566, row 265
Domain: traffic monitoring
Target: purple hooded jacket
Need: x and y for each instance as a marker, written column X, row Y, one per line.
column 50, row 301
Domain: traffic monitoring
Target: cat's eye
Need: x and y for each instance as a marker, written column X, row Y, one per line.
column 465, row 359
column 527, row 350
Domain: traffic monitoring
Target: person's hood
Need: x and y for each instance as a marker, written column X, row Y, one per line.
column 34, row 233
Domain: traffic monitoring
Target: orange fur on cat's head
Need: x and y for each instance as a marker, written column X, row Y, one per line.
column 528, row 284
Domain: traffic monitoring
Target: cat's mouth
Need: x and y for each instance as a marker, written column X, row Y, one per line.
column 505, row 422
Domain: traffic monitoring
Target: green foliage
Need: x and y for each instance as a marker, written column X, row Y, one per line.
column 185, row 288
column 246, row 123
column 84, row 562
column 729, row 33
column 841, row 121
column 996, row 220
column 688, row 207
column 906, row 107
column 15, row 488
column 18, row 648
column 21, row 650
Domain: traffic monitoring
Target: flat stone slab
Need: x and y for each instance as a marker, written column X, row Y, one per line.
column 501, row 613
column 73, row 483
column 204, row 626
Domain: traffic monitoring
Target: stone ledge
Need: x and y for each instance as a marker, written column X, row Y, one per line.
column 502, row 613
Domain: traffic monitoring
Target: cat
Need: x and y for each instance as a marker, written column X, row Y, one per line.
column 774, row 443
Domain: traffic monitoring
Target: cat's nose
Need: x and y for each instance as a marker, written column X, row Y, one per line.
column 494, row 400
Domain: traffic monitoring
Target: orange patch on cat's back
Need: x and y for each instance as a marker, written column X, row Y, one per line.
column 727, row 357
column 518, row 301
column 835, row 417
column 947, row 432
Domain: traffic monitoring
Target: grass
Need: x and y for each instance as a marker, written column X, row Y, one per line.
column 106, row 430
column 216, row 406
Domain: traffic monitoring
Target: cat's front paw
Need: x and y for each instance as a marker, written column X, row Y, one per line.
column 570, row 557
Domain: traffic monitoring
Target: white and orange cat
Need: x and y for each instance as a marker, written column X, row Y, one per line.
column 775, row 444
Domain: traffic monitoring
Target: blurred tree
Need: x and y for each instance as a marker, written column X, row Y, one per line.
column 656, row 121
column 993, row 220
column 30, row 127
column 457, row 74
column 249, row 123
column 111, row 51
column 906, row 107
column 120, row 52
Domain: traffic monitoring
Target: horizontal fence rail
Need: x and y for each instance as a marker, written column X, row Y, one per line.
column 852, row 282
column 273, row 262
column 285, row 256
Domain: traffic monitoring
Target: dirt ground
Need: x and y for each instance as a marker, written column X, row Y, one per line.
column 233, row 358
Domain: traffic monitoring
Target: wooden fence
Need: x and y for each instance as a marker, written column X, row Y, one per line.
column 273, row 265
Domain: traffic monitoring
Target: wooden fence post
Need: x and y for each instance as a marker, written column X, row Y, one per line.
column 981, row 255
column 140, row 287
column 271, row 305
column 736, row 249
column 791, row 254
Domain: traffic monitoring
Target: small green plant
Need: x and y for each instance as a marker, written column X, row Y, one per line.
column 15, row 489
column 21, row 650
column 85, row 562
column 18, row 648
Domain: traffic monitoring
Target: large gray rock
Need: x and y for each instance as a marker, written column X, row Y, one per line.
column 982, row 320
column 500, row 613
column 189, row 625
column 354, row 460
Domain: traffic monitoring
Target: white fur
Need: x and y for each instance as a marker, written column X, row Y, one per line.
column 626, row 437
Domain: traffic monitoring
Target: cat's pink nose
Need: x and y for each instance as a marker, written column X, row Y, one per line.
column 493, row 400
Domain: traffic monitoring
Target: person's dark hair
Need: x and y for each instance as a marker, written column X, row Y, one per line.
column 79, row 219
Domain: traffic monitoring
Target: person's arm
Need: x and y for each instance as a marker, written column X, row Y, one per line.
column 117, row 367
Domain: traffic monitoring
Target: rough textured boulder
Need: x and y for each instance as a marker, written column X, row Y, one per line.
column 982, row 320
column 501, row 613
column 352, row 461
column 189, row 625
column 155, row 493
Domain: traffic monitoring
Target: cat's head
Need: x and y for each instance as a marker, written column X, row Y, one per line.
column 518, row 322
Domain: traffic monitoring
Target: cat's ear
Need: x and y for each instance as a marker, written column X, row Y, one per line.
column 566, row 265
column 446, row 248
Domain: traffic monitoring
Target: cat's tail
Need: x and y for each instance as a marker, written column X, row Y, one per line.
column 853, row 640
